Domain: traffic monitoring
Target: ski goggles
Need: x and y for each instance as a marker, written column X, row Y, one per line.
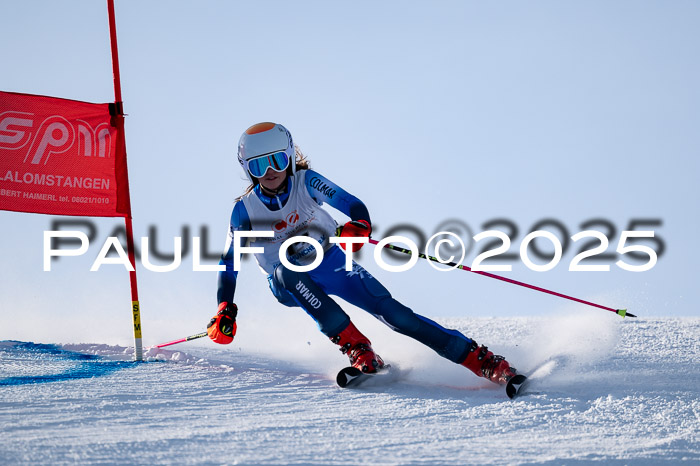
column 277, row 161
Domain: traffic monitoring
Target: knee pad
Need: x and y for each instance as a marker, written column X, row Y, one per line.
column 279, row 291
column 284, row 277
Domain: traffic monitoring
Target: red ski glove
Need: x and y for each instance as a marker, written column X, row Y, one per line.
column 355, row 229
column 222, row 327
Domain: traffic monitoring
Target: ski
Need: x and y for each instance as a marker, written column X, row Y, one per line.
column 516, row 386
column 351, row 377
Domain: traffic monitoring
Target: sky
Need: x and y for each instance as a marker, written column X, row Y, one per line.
column 583, row 115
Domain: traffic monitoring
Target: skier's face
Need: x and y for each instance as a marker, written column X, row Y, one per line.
column 272, row 180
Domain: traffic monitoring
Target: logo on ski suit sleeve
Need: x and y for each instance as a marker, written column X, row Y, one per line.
column 322, row 187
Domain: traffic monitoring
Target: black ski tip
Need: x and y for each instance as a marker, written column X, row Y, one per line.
column 514, row 385
column 346, row 375
column 353, row 377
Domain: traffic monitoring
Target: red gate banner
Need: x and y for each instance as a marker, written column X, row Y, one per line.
column 60, row 157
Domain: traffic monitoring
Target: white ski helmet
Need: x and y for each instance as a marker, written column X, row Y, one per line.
column 266, row 145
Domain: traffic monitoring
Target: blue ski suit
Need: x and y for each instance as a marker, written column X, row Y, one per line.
column 311, row 290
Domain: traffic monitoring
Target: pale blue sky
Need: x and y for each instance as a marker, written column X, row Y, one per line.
column 424, row 110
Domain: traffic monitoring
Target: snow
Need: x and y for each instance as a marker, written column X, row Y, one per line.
column 604, row 390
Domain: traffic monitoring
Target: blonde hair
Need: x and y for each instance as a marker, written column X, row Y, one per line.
column 301, row 163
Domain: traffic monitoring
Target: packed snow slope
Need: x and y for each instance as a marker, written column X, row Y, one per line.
column 604, row 390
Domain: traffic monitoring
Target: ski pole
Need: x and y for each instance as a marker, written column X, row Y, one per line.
column 621, row 312
column 191, row 337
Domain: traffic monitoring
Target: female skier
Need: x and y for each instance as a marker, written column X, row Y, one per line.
column 285, row 197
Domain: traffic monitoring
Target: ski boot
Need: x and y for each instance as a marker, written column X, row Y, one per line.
column 359, row 349
column 484, row 363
